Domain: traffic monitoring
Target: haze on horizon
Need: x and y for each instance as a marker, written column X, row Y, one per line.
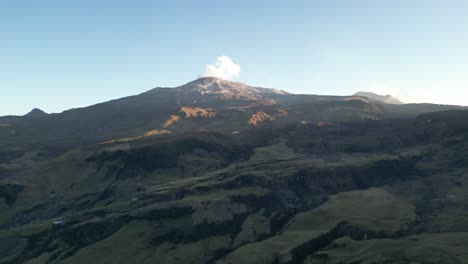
column 56, row 55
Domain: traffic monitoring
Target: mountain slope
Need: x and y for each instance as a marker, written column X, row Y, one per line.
column 202, row 104
column 206, row 104
column 221, row 172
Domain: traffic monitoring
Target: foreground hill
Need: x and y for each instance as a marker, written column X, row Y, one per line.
column 221, row 172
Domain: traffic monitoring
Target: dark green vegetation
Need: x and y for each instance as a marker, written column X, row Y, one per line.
column 219, row 172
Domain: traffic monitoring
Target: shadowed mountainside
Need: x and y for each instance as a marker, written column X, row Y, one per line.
column 206, row 103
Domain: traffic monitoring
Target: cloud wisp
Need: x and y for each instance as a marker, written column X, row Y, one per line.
column 223, row 68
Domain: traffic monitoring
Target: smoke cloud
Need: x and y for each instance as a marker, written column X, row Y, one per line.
column 223, row 68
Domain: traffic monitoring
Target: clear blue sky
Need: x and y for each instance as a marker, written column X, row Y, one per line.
column 57, row 55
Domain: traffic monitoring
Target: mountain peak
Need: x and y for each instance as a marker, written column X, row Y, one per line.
column 207, row 80
column 207, row 88
column 386, row 99
column 36, row 113
column 227, row 89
